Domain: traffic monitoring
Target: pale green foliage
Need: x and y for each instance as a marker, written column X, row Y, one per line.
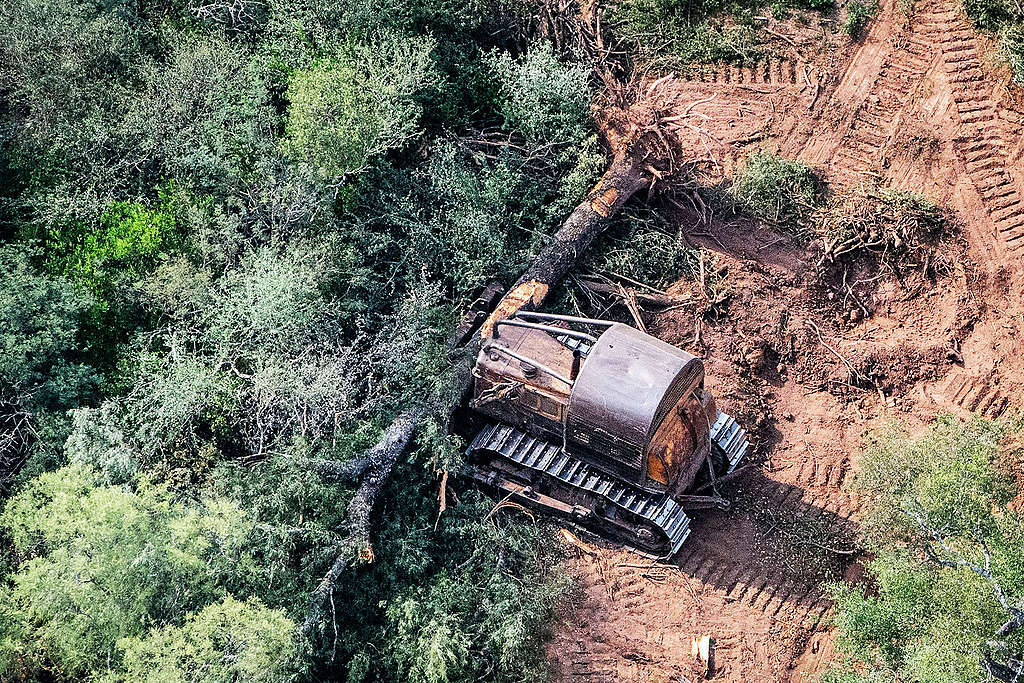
column 546, row 100
column 479, row 621
column 104, row 562
column 925, row 624
column 348, row 109
column 939, row 496
column 262, row 346
column 409, row 357
column 946, row 476
column 225, row 642
column 440, row 649
column 96, row 441
column 203, row 116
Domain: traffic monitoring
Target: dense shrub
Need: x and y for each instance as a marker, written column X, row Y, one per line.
column 547, row 101
column 858, row 14
column 256, row 223
column 782, row 191
column 42, row 373
column 225, row 641
column 347, row 110
column 100, row 563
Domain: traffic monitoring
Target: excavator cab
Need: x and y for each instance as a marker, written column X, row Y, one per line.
column 603, row 418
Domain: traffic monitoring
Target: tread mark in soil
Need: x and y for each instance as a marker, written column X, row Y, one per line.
column 902, row 69
column 771, row 71
column 977, row 394
column 980, row 144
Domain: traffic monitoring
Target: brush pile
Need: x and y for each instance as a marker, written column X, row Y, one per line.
column 899, row 229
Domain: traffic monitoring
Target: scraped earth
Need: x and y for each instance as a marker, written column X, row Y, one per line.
column 920, row 104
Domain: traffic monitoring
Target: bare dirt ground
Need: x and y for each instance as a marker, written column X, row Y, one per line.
column 919, row 104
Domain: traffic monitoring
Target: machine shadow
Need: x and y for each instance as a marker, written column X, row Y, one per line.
column 775, row 548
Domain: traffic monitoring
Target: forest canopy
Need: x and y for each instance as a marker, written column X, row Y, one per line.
column 945, row 531
column 235, row 236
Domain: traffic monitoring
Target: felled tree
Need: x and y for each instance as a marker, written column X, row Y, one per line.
column 640, row 144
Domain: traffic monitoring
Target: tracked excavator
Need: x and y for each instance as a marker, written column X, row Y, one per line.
column 599, row 424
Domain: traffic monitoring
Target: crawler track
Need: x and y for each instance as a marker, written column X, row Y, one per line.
column 874, row 121
column 772, row 70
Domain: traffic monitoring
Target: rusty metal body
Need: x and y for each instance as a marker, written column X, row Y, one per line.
column 625, row 408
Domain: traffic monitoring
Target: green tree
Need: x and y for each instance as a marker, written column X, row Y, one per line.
column 41, row 371
column 546, row 100
column 947, row 603
column 347, row 110
column 100, row 563
column 224, row 642
column 121, row 249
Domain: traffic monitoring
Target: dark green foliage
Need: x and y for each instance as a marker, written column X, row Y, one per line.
column 39, row 319
column 258, row 227
column 858, row 14
column 640, row 247
column 41, row 369
column 782, row 191
column 939, row 497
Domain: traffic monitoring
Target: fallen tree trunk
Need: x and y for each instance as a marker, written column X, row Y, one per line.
column 622, row 180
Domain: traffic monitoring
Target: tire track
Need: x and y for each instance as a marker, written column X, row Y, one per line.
column 980, row 145
column 874, row 121
column 977, row 394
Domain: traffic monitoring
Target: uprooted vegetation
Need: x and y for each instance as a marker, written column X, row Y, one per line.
column 641, row 267
column 679, row 33
column 894, row 230
column 233, row 246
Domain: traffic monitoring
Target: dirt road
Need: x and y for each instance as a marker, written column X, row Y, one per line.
column 917, row 105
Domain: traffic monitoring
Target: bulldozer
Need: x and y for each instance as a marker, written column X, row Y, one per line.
column 599, row 424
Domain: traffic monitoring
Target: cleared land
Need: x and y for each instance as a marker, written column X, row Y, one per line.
column 918, row 106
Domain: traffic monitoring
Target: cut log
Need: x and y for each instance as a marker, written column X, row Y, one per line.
column 623, row 178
